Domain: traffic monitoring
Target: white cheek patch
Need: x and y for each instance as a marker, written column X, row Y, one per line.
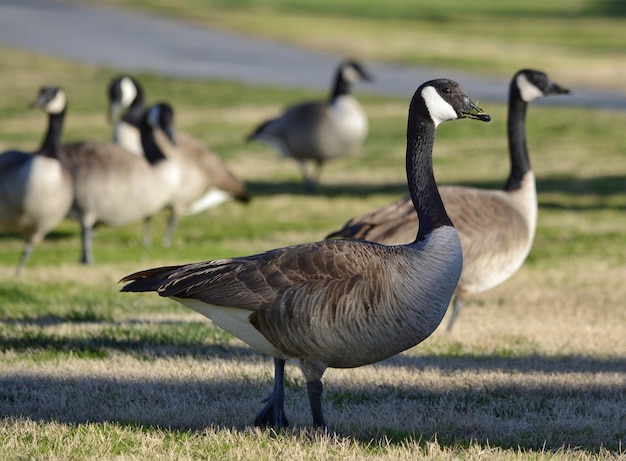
column 439, row 109
column 350, row 74
column 57, row 104
column 129, row 92
column 527, row 90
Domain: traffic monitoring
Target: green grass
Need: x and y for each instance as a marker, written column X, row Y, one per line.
column 533, row 370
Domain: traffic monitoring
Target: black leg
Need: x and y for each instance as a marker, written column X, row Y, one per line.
column 273, row 413
column 172, row 222
column 28, row 249
column 87, row 236
column 457, row 305
column 314, row 389
column 147, row 232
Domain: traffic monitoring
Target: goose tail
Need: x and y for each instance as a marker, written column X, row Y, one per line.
column 147, row 280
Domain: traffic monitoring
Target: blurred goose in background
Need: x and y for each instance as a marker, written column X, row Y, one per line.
column 35, row 189
column 337, row 303
column 319, row 131
column 115, row 187
column 497, row 227
column 207, row 181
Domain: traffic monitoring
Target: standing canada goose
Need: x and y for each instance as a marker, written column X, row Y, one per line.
column 35, row 189
column 115, row 187
column 496, row 227
column 207, row 181
column 320, row 131
column 337, row 303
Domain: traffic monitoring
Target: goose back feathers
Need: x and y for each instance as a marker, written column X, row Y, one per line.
column 336, row 303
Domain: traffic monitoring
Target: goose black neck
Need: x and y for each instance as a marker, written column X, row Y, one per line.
column 151, row 149
column 135, row 111
column 341, row 87
column 52, row 140
column 420, row 176
column 520, row 163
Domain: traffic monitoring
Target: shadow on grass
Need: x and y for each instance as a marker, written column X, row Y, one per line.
column 164, row 339
column 53, row 235
column 597, row 189
column 609, row 8
column 200, row 339
column 325, row 189
column 506, row 413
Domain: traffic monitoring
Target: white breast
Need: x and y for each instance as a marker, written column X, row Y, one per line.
column 128, row 137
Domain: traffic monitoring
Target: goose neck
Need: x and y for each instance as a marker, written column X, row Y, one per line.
column 341, row 87
column 52, row 140
column 151, row 149
column 422, row 186
column 518, row 152
column 135, row 112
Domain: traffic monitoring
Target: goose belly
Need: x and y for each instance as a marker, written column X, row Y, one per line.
column 491, row 270
column 116, row 197
column 49, row 195
column 345, row 129
column 195, row 193
column 36, row 197
column 496, row 252
column 235, row 321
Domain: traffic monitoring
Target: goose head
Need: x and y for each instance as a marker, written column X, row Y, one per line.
column 123, row 92
column 444, row 100
column 51, row 99
column 348, row 72
column 532, row 84
column 161, row 116
column 352, row 71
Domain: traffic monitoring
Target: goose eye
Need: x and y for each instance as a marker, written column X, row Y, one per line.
column 447, row 90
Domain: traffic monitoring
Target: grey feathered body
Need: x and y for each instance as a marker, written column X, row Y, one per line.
column 35, row 194
column 317, row 130
column 113, row 186
column 204, row 174
column 333, row 303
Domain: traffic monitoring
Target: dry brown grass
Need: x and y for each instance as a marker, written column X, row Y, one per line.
column 542, row 369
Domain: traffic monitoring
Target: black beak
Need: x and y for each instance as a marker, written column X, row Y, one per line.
column 471, row 110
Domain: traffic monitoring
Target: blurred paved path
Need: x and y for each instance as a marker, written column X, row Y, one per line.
column 141, row 42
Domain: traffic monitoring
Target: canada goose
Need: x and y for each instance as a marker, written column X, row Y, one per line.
column 207, row 181
column 496, row 227
column 35, row 189
column 320, row 131
column 337, row 303
column 114, row 187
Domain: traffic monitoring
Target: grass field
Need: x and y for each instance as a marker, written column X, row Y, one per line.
column 534, row 369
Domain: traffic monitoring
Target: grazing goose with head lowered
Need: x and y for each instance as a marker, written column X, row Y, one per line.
column 496, row 227
column 115, row 187
column 337, row 303
column 207, row 181
column 320, row 131
column 35, row 189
